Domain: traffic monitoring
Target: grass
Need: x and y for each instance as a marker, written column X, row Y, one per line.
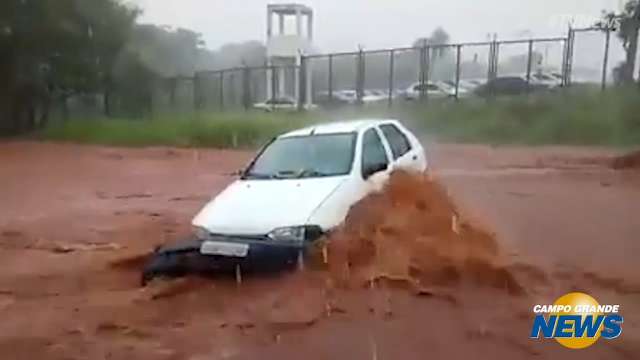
column 585, row 117
column 221, row 130
column 580, row 118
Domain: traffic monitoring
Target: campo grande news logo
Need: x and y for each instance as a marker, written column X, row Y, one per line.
column 577, row 321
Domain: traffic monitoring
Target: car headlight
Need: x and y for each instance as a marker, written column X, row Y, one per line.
column 295, row 235
column 200, row 232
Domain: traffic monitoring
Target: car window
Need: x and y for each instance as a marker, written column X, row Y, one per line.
column 373, row 152
column 397, row 140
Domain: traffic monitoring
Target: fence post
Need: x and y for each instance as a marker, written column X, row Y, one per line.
column 496, row 61
column 221, row 95
column 357, row 80
column 233, row 96
column 423, row 70
column 196, row 92
column 568, row 58
column 458, row 55
column 302, row 93
column 309, row 83
column 360, row 77
column 529, row 65
column 246, row 87
column 330, row 80
column 392, row 56
column 490, row 61
column 564, row 61
column 173, row 83
column 605, row 62
column 274, row 79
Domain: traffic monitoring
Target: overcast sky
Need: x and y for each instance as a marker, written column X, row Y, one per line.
column 343, row 24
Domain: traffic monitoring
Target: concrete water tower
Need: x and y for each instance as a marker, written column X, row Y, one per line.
column 284, row 48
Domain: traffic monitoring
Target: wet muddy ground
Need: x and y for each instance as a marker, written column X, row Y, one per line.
column 531, row 224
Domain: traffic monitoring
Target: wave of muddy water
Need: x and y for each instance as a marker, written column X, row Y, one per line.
column 412, row 234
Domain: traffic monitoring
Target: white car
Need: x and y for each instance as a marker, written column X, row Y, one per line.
column 449, row 88
column 283, row 103
column 374, row 96
column 431, row 90
column 348, row 96
column 545, row 80
column 299, row 187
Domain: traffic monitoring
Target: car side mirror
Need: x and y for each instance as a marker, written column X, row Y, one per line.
column 372, row 169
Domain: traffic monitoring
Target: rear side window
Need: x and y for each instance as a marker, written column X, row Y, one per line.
column 397, row 140
column 373, row 152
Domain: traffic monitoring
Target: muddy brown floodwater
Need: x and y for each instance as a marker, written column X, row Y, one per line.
column 447, row 265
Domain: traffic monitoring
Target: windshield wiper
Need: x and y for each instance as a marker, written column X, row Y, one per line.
column 258, row 176
column 311, row 173
column 292, row 174
column 286, row 174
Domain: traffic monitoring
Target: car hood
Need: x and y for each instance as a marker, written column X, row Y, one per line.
column 255, row 207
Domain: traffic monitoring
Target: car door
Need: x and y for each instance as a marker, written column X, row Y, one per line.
column 374, row 154
column 406, row 151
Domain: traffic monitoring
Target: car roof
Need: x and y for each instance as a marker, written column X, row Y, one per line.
column 337, row 127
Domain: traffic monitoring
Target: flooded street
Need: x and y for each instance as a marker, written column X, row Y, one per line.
column 403, row 279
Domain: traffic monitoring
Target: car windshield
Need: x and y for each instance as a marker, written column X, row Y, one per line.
column 305, row 157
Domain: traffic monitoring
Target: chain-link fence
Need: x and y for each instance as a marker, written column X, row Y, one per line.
column 395, row 76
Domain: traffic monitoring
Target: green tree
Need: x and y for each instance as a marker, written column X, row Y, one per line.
column 152, row 61
column 53, row 48
column 629, row 25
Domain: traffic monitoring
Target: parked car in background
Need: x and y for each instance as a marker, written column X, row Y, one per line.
column 472, row 84
column 282, row 103
column 299, row 187
column 349, row 96
column 277, row 104
column 449, row 87
column 335, row 100
column 508, row 85
column 546, row 79
column 431, row 90
column 374, row 96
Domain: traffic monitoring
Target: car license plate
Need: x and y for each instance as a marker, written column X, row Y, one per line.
column 224, row 249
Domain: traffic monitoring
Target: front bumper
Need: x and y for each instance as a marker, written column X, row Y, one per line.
column 263, row 254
